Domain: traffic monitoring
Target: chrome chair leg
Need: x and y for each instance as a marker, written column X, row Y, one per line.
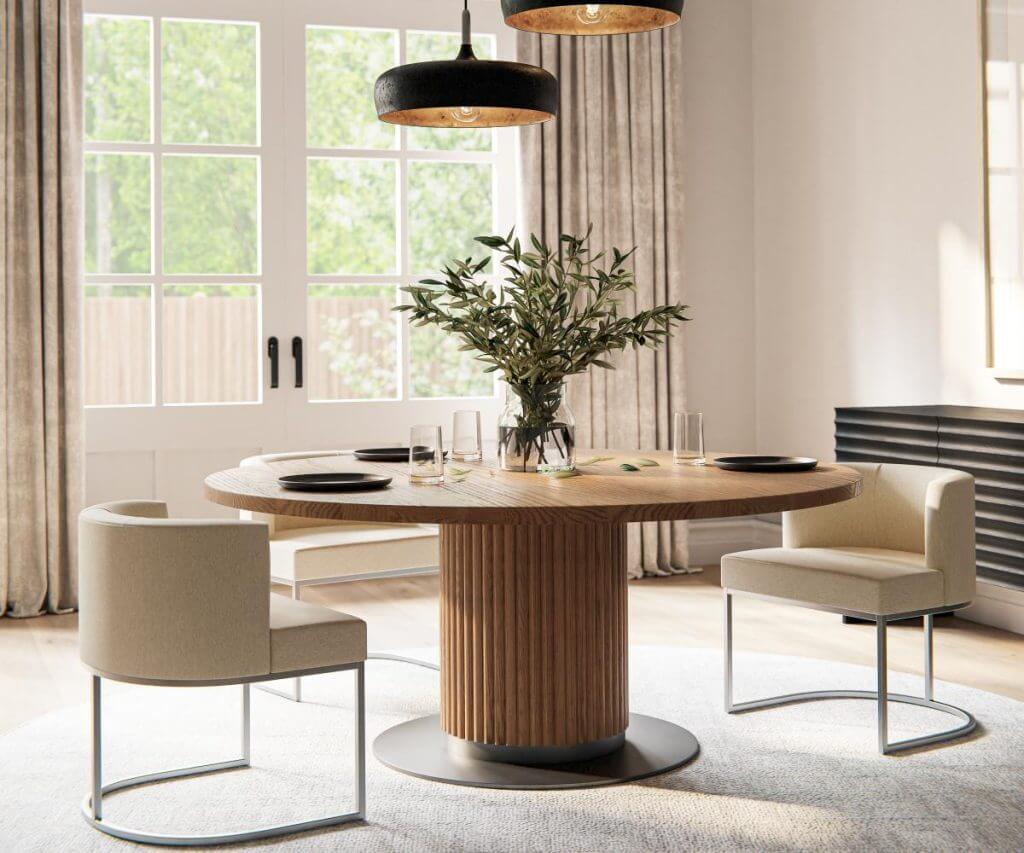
column 92, row 805
column 882, row 684
column 881, row 695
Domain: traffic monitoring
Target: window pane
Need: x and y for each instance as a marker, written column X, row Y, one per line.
column 1004, row 226
column 438, row 369
column 116, row 69
column 211, row 343
column 424, row 47
column 118, row 224
column 449, row 206
column 118, row 357
column 1007, row 309
column 341, row 67
column 351, row 222
column 211, row 220
column 209, row 84
column 1002, row 136
column 353, row 344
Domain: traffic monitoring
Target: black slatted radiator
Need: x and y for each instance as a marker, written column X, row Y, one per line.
column 988, row 443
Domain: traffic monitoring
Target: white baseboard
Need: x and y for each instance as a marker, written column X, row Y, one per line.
column 709, row 540
column 998, row 606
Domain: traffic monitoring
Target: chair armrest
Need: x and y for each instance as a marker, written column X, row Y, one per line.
column 949, row 533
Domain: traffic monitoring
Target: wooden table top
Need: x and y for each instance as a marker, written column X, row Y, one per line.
column 485, row 495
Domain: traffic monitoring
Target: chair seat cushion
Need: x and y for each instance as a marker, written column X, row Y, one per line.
column 875, row 581
column 308, row 636
column 323, row 552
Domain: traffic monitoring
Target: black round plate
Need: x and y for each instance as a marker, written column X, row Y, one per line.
column 333, row 482
column 766, row 463
column 386, row 454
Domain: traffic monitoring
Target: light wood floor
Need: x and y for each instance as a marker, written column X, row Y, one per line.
column 40, row 672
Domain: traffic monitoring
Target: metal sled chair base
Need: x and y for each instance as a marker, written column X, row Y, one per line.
column 92, row 804
column 888, row 748
column 881, row 696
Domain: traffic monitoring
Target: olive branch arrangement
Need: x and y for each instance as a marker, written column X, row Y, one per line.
column 556, row 315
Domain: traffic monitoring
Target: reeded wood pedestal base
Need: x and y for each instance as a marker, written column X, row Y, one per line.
column 533, row 637
column 535, row 688
column 534, row 682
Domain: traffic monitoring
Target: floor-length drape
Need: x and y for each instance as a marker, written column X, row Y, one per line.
column 613, row 158
column 40, row 304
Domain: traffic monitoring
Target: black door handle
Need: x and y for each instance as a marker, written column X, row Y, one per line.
column 297, row 355
column 272, row 355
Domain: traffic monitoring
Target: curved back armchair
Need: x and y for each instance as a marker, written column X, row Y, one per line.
column 909, row 508
column 166, row 600
column 903, row 547
column 187, row 603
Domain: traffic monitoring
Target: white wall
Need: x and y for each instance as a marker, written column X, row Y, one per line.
column 868, row 212
column 719, row 242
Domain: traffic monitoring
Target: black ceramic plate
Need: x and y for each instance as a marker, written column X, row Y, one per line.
column 766, row 463
column 385, row 454
column 333, row 482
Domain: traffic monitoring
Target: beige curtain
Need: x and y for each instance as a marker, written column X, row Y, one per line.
column 614, row 158
column 40, row 304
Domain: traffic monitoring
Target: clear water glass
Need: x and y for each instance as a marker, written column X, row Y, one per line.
column 426, row 456
column 467, row 444
column 688, row 438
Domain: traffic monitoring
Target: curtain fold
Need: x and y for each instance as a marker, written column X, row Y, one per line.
column 41, row 443
column 614, row 158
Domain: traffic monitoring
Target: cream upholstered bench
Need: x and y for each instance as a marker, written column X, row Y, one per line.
column 904, row 547
column 187, row 603
column 307, row 551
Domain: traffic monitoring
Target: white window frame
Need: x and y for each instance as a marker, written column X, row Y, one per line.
column 282, row 277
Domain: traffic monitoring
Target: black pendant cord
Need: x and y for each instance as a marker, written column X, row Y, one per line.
column 467, row 34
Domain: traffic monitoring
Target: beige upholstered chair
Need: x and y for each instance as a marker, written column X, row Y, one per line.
column 904, row 547
column 308, row 551
column 187, row 603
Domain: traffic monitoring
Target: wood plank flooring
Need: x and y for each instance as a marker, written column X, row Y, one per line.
column 40, row 672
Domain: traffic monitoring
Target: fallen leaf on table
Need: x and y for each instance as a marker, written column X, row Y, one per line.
column 562, row 475
column 625, row 466
column 594, row 460
column 643, row 463
column 458, row 472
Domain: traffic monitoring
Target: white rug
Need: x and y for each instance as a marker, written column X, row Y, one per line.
column 799, row 778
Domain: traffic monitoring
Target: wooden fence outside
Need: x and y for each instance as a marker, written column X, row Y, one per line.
column 212, row 352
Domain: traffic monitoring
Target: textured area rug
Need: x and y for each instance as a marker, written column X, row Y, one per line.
column 805, row 777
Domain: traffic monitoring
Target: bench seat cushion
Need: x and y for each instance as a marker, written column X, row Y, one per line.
column 315, row 553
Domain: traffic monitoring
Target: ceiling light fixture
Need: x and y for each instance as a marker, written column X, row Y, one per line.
column 558, row 17
column 466, row 91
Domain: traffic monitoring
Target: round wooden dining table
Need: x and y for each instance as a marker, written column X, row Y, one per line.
column 534, row 617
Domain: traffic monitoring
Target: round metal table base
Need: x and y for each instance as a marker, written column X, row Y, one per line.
column 420, row 748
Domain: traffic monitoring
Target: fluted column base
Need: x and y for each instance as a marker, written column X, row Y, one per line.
column 534, row 639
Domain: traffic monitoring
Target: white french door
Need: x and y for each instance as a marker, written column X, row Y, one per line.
column 240, row 190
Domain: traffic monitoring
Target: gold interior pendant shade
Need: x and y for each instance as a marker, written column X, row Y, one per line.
column 591, row 19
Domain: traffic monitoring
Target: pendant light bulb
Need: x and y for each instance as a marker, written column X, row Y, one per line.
column 466, row 115
column 591, row 14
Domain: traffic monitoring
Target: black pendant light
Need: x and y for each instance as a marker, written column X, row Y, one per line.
column 562, row 18
column 466, row 91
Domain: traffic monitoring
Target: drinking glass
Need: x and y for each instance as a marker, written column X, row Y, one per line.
column 466, row 442
column 688, row 438
column 426, row 456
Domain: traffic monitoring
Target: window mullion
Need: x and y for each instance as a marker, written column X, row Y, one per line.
column 156, row 212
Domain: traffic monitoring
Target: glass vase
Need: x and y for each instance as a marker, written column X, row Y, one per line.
column 537, row 430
